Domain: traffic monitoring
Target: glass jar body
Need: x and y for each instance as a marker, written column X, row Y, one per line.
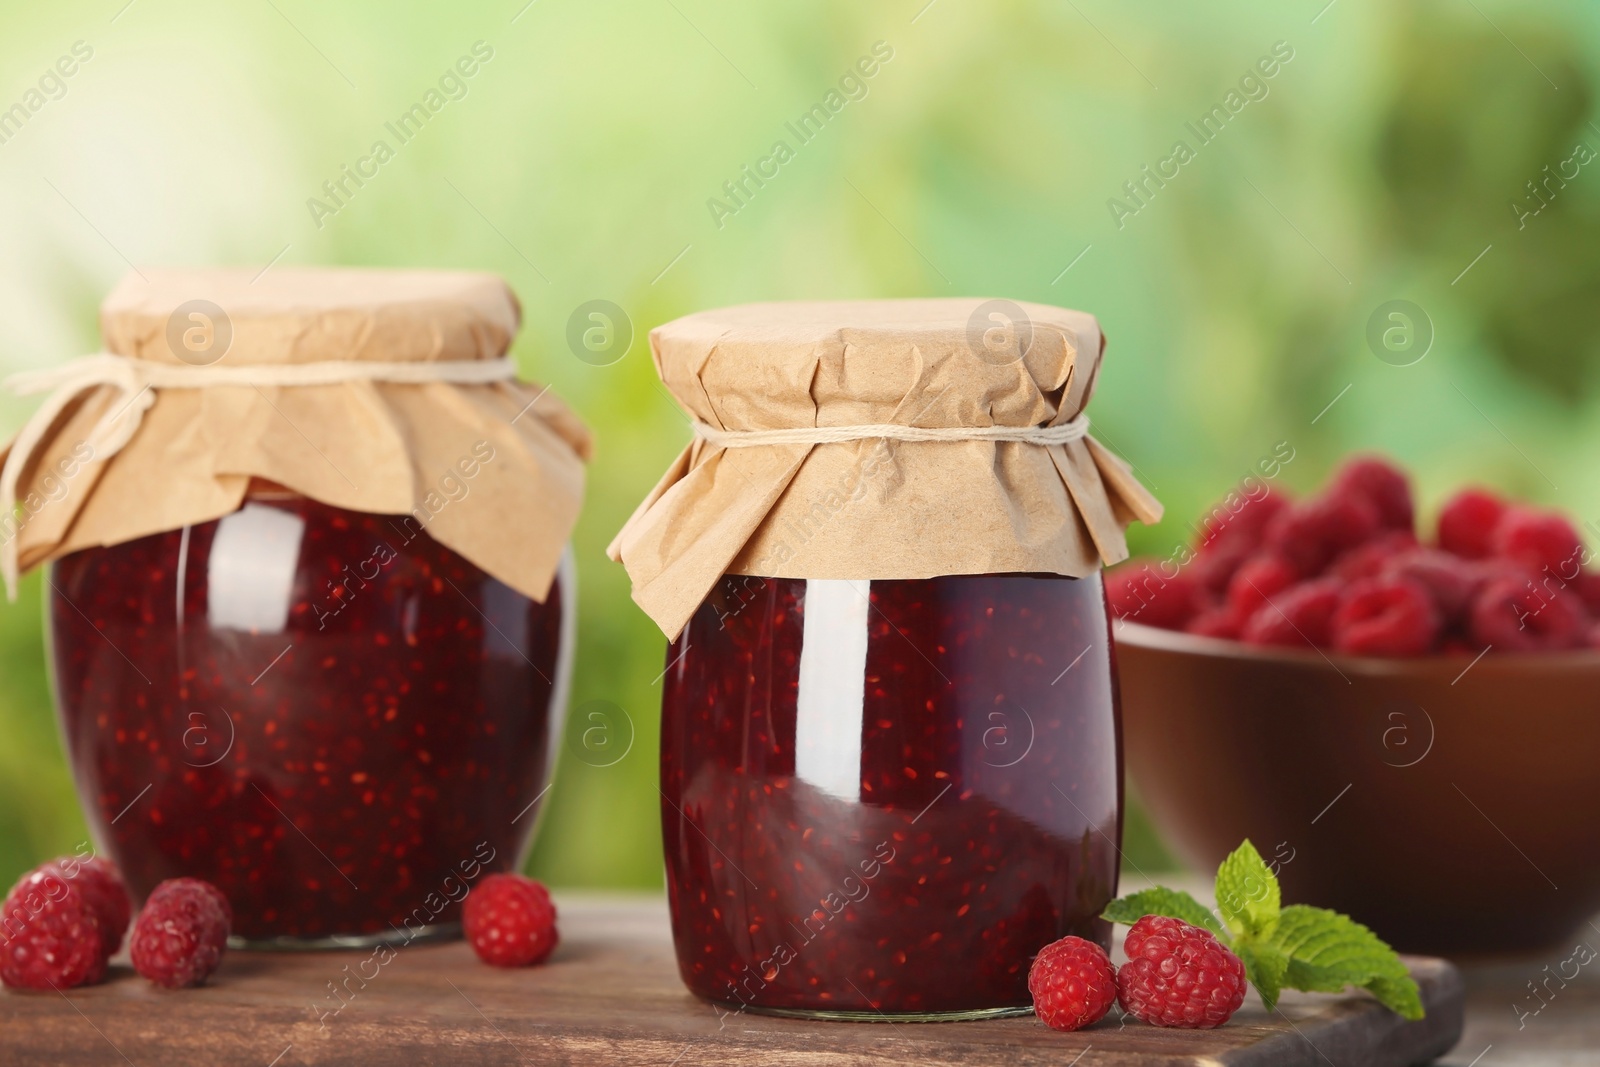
column 335, row 719
column 883, row 798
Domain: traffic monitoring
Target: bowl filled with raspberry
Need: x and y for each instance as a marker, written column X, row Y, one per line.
column 1407, row 724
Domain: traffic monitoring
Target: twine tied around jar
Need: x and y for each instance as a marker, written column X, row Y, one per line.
column 137, row 380
column 1074, row 429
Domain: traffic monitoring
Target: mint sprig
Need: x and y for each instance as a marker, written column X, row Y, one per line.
column 1294, row 947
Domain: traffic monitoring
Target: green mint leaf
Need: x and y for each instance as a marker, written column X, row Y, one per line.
column 1399, row 995
column 1335, row 945
column 1328, row 951
column 1247, row 892
column 1162, row 901
column 1310, row 978
column 1266, row 967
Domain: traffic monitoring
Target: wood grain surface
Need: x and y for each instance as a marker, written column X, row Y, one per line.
column 611, row 995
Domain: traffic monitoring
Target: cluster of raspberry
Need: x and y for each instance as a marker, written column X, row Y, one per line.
column 1343, row 570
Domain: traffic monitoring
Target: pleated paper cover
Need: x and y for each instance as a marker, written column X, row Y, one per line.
column 392, row 449
column 876, row 509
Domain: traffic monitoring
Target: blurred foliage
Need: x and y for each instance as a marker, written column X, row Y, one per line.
column 1384, row 158
column 1452, row 139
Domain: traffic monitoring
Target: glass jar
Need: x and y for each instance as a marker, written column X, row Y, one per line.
column 329, row 715
column 883, row 798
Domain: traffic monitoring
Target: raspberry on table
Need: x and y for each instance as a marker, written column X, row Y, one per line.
column 1385, row 617
column 1073, row 984
column 1541, row 539
column 98, row 879
column 181, row 933
column 1301, row 615
column 1179, row 975
column 49, row 934
column 1384, row 486
column 510, row 921
column 222, row 902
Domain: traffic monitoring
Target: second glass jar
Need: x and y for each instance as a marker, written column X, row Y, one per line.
column 331, row 716
column 883, row 798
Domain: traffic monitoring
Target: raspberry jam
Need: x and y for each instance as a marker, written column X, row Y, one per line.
column 329, row 715
column 884, row 798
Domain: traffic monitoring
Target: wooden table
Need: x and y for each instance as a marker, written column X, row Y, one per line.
column 611, row 995
column 1564, row 1032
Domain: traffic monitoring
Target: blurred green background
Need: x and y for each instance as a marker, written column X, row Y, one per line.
column 1388, row 159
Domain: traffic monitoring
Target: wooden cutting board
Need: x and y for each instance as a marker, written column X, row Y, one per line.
column 611, row 996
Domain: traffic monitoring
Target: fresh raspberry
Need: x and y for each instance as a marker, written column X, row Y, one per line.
column 1589, row 592
column 1385, row 617
column 49, row 934
column 1450, row 580
column 1299, row 616
column 1213, row 567
column 1215, row 622
column 1238, row 520
column 1073, row 984
column 1131, row 586
column 101, row 884
column 1179, row 975
column 1230, row 535
column 1137, row 590
column 1312, row 533
column 222, row 902
column 181, row 933
column 1486, row 570
column 1543, row 540
column 1467, row 522
column 1258, row 580
column 1384, row 486
column 1513, row 615
column 1371, row 558
column 510, row 921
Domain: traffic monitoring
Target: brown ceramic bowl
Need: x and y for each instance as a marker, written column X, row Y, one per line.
column 1451, row 805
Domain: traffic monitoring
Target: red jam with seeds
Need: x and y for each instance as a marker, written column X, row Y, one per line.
column 886, row 797
column 329, row 715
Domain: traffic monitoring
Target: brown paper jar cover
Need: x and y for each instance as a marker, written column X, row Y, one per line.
column 876, row 508
column 377, row 447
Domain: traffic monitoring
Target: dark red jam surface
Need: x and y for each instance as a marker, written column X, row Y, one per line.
column 888, row 806
column 335, row 719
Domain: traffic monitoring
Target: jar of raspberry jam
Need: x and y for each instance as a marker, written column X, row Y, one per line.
column 886, row 796
column 339, row 727
column 891, row 759
column 310, row 605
